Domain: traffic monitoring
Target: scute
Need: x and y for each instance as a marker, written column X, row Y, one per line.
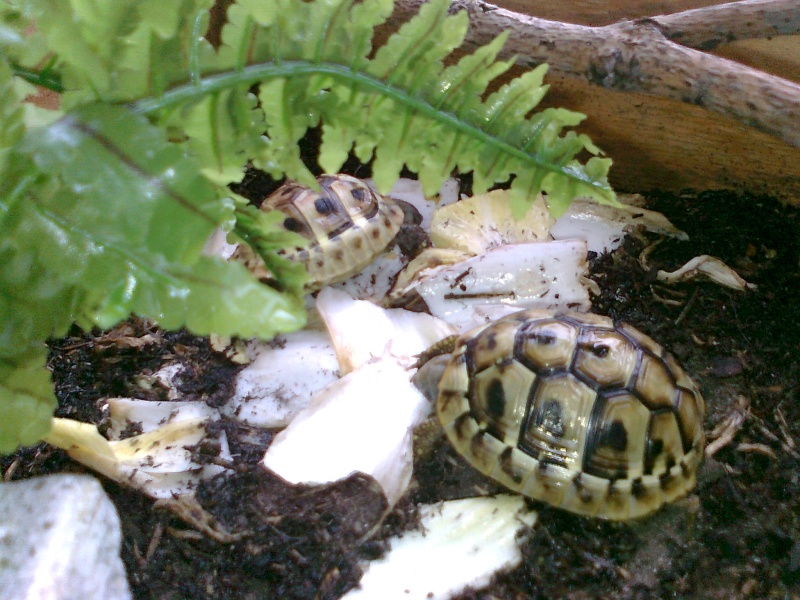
column 554, row 428
column 491, row 345
column 547, row 344
column 654, row 383
column 573, row 410
column 614, row 446
column 605, row 358
column 499, row 398
column 690, row 409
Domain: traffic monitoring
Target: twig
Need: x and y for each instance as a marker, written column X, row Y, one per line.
column 708, row 27
column 726, row 430
column 686, row 308
column 758, row 449
column 637, row 56
column 154, row 541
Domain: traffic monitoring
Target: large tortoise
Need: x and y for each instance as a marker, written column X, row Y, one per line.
column 572, row 409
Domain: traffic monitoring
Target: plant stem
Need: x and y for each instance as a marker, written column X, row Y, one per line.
column 45, row 78
column 252, row 74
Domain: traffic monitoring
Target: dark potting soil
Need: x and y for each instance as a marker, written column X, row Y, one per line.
column 736, row 536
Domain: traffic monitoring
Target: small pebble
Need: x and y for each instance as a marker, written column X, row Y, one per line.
column 726, row 366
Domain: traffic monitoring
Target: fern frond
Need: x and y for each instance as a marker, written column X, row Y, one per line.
column 105, row 211
column 401, row 107
column 122, row 50
column 258, row 229
column 11, row 113
column 224, row 130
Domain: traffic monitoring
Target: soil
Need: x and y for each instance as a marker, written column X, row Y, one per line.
column 736, row 536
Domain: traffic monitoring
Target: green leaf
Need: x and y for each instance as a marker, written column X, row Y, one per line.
column 113, row 209
column 287, row 123
column 260, row 231
column 225, row 132
column 26, row 400
column 34, row 303
column 105, row 211
column 119, row 181
column 121, row 50
column 212, row 297
column 11, row 114
column 87, row 36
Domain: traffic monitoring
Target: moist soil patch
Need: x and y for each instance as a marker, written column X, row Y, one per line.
column 736, row 536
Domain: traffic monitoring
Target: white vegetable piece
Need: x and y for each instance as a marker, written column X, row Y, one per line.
column 149, row 416
column 410, row 190
column 362, row 331
column 166, row 377
column 477, row 224
column 507, row 279
column 375, row 281
column 282, row 378
column 362, row 422
column 460, row 543
column 157, row 462
column 423, row 265
column 709, row 267
column 604, row 227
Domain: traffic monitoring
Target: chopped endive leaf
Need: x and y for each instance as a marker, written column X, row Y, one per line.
column 485, row 221
column 159, row 462
column 282, row 378
column 362, row 331
column 361, row 422
column 459, row 544
column 604, row 227
column 710, row 267
column 148, row 415
column 504, row 280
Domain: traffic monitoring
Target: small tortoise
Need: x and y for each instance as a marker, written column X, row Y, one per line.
column 571, row 409
column 346, row 223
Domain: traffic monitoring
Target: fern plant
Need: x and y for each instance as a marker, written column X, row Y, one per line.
column 106, row 203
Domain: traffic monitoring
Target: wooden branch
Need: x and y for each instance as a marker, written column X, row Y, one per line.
column 706, row 28
column 635, row 56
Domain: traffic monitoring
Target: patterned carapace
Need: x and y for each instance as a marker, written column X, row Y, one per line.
column 571, row 409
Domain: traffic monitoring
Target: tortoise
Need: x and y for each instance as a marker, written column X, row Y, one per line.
column 571, row 409
column 346, row 223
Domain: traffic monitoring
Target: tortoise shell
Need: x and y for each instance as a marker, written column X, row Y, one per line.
column 571, row 409
column 346, row 223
